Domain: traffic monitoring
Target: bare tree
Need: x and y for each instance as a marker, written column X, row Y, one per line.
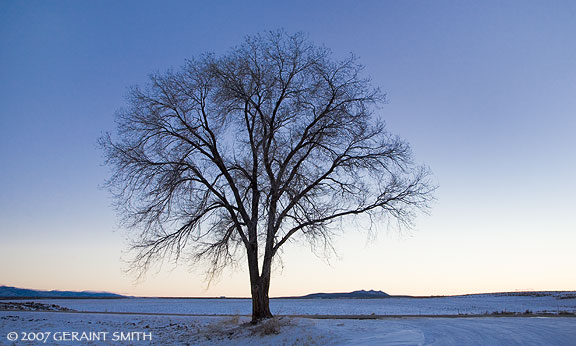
column 234, row 156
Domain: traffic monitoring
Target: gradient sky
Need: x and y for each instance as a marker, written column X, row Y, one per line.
column 485, row 92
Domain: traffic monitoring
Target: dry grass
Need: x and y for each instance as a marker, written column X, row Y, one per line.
column 270, row 326
column 237, row 327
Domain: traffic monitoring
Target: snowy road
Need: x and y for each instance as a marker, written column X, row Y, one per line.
column 457, row 331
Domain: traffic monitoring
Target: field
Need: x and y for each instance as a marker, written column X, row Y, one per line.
column 490, row 319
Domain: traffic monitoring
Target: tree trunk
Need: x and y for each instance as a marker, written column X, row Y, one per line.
column 260, row 300
column 259, row 284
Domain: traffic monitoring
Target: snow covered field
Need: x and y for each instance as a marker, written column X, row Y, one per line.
column 470, row 304
column 108, row 327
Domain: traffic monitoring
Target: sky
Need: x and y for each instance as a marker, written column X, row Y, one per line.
column 485, row 93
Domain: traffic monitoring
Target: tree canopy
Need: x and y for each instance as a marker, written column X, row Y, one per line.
column 235, row 155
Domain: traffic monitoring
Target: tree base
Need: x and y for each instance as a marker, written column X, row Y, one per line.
column 260, row 318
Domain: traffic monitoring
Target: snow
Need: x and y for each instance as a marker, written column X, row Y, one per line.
column 154, row 321
column 471, row 304
column 205, row 330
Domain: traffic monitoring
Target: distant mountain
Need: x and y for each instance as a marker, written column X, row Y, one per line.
column 362, row 294
column 14, row 292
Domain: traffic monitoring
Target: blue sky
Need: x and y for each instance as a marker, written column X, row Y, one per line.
column 485, row 92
